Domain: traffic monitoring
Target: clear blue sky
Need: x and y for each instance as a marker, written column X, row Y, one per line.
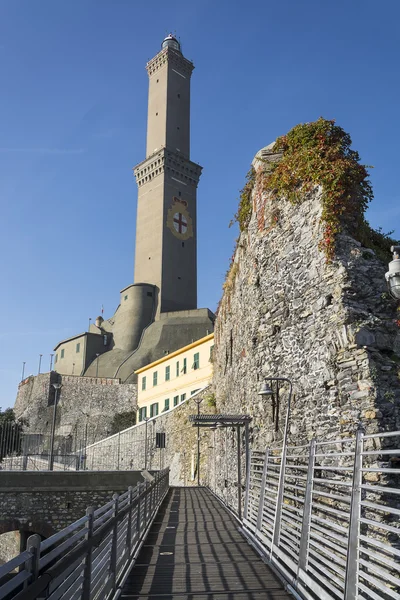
column 73, row 116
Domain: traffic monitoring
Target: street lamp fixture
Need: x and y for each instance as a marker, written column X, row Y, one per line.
column 265, row 390
column 57, row 387
column 393, row 275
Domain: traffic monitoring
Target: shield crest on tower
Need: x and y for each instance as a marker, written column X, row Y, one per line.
column 179, row 222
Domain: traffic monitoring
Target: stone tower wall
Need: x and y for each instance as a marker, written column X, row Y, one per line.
column 165, row 253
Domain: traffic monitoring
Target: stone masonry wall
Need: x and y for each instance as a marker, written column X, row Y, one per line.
column 9, row 546
column 126, row 450
column 46, row 502
column 86, row 405
column 330, row 328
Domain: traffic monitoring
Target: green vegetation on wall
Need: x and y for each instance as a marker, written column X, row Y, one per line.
column 122, row 421
column 10, row 433
column 318, row 154
column 243, row 214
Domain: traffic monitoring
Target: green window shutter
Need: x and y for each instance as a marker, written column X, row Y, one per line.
column 56, row 358
column 196, row 361
column 166, row 407
column 176, row 400
column 177, row 368
column 78, row 347
column 167, row 373
column 143, row 382
column 154, row 409
column 155, row 377
column 62, row 353
column 183, row 397
column 184, row 366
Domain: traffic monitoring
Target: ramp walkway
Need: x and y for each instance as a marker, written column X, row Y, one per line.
column 194, row 551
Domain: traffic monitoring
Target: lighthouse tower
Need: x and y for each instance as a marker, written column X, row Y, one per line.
column 167, row 179
column 157, row 313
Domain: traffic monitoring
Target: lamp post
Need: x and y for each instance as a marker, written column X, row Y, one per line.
column 57, row 387
column 145, row 419
column 23, row 371
column 198, row 402
column 97, row 365
column 393, row 275
column 266, row 390
column 40, row 362
column 90, row 320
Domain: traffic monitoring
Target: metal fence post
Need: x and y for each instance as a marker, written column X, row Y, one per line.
column 145, row 509
column 138, row 514
column 351, row 578
column 246, row 498
column 87, row 572
column 119, row 450
column 113, row 555
column 305, row 526
column 262, row 491
column 129, row 525
column 279, row 500
column 32, row 565
column 153, row 496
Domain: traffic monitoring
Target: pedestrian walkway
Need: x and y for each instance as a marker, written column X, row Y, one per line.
column 194, row 551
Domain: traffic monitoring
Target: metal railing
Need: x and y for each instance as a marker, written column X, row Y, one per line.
column 24, row 450
column 336, row 535
column 90, row 559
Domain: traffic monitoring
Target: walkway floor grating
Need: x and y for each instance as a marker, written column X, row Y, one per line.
column 194, row 551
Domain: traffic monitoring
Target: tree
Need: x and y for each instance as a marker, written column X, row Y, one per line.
column 122, row 421
column 10, row 433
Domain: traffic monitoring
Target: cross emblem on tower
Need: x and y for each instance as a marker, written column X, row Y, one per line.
column 180, row 223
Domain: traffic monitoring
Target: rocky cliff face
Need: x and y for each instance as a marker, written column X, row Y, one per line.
column 329, row 328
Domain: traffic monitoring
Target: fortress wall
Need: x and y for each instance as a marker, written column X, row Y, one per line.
column 83, row 401
column 328, row 327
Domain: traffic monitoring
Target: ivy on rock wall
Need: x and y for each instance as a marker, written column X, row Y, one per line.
column 316, row 154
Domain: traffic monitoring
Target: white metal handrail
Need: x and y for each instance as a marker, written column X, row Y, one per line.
column 90, row 558
column 337, row 533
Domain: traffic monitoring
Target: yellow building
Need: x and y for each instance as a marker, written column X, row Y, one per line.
column 172, row 379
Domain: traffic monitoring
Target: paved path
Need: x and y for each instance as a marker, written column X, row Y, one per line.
column 194, row 551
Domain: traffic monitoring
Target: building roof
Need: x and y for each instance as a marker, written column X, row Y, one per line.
column 74, row 337
column 176, row 353
column 206, row 420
